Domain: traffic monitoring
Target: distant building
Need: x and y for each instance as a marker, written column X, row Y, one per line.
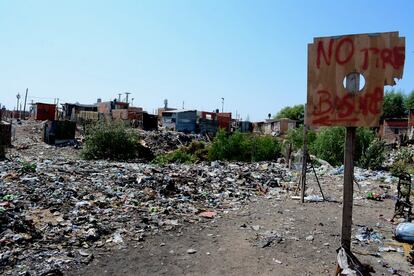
column 43, row 112
column 207, row 123
column 223, row 118
column 394, row 129
column 71, row 111
column 149, row 121
column 180, row 120
column 277, row 126
column 107, row 107
column 245, row 126
column 258, row 127
column 411, row 124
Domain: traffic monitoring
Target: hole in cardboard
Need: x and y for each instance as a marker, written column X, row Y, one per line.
column 354, row 83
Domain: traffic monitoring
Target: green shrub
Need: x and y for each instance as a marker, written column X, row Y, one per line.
column 114, row 142
column 295, row 137
column 196, row 151
column 27, row 167
column 243, row 147
column 177, row 156
column 265, row 148
column 329, row 145
column 405, row 155
column 374, row 156
column 398, row 168
column 364, row 138
column 330, row 142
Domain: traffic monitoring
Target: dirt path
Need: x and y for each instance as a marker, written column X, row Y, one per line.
column 233, row 244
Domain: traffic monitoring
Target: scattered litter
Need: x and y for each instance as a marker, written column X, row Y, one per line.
column 405, row 232
column 365, row 234
column 208, row 214
column 313, row 198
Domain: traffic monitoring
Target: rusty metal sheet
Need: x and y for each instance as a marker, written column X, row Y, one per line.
column 378, row 57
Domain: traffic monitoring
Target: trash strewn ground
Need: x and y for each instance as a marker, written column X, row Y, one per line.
column 61, row 214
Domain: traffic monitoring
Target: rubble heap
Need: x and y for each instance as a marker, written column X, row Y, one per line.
column 164, row 141
column 50, row 218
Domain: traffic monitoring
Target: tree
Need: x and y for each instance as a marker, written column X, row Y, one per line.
column 394, row 105
column 294, row 136
column 330, row 143
column 409, row 101
column 296, row 112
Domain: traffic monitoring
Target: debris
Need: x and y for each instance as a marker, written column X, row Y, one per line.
column 208, row 214
column 314, row 198
column 375, row 196
column 365, row 234
column 256, row 227
column 191, row 251
column 387, row 249
column 343, row 263
column 76, row 204
column 405, row 232
column 268, row 238
column 309, row 238
column 277, row 261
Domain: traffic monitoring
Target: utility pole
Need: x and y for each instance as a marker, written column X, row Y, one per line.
column 127, row 94
column 119, row 97
column 57, row 109
column 132, row 102
column 222, row 105
column 25, row 100
column 18, row 99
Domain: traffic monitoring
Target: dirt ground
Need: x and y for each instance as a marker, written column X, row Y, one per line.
column 230, row 246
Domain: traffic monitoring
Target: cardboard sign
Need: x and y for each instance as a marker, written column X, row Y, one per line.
column 378, row 57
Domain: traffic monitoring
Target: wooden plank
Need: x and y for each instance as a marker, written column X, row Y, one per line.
column 378, row 57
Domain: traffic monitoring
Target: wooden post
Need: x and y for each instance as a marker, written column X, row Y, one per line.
column 348, row 188
column 352, row 85
column 304, row 160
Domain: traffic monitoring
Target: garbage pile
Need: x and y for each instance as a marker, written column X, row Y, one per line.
column 161, row 142
column 54, row 212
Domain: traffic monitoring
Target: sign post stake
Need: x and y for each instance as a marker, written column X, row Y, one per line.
column 348, row 188
column 304, row 160
column 352, row 86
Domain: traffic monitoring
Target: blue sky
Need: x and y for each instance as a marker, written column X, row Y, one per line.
column 252, row 53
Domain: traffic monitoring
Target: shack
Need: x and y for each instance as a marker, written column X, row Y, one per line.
column 149, row 122
column 59, row 132
column 108, row 107
column 5, row 133
column 258, row 127
column 224, row 120
column 72, row 110
column 180, row 120
column 411, row 124
column 394, row 130
column 210, row 122
column 43, row 112
column 278, row 126
column 245, row 126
